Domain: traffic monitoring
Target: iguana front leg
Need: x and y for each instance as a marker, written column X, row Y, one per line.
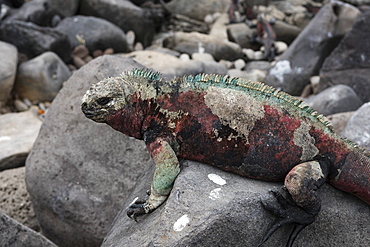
column 302, row 204
column 166, row 171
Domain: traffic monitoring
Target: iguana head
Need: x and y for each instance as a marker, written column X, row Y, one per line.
column 104, row 99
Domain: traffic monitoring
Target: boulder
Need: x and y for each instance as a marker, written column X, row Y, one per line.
column 197, row 42
column 18, row 132
column 349, row 63
column 79, row 173
column 197, row 9
column 210, row 207
column 8, row 68
column 241, row 34
column 339, row 98
column 358, row 128
column 339, row 120
column 125, row 15
column 24, row 35
column 171, row 66
column 41, row 78
column 306, row 54
column 285, row 31
column 15, row 201
column 12, row 233
column 97, row 33
column 44, row 12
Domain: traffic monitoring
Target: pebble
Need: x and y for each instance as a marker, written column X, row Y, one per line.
column 249, row 53
column 239, row 64
column 20, row 105
column 184, row 57
column 280, row 46
column 258, row 55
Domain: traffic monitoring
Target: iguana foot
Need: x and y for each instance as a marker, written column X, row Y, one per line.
column 288, row 212
column 137, row 208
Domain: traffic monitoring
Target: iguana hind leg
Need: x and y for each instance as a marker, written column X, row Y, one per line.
column 302, row 204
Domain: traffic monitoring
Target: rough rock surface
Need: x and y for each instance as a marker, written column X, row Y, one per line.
column 8, row 68
column 358, row 127
column 26, row 34
column 339, row 120
column 41, row 78
column 192, row 43
column 12, row 233
column 349, row 63
column 98, row 33
column 171, row 66
column 79, row 173
column 18, row 132
column 197, row 9
column 339, row 98
column 15, row 200
column 306, row 54
column 210, row 207
column 124, row 14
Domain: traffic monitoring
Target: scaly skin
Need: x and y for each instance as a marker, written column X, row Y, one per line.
column 239, row 126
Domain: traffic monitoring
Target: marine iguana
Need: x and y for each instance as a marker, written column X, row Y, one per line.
column 240, row 126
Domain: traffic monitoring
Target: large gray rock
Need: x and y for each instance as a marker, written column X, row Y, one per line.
column 206, row 210
column 14, row 234
column 197, row 9
column 171, row 66
column 349, row 63
column 98, row 33
column 339, row 98
column 26, row 35
column 15, row 201
column 79, row 173
column 194, row 42
column 8, row 68
column 18, row 132
column 124, row 14
column 306, row 54
column 358, row 127
column 41, row 78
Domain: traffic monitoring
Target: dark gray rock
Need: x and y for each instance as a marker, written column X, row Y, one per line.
column 197, row 9
column 125, row 15
column 349, row 63
column 200, row 212
column 339, row 98
column 306, row 54
column 285, row 32
column 18, row 132
column 14, row 234
column 41, row 78
column 25, row 35
column 79, row 173
column 192, row 43
column 39, row 12
column 8, row 68
column 358, row 127
column 241, row 34
column 98, row 33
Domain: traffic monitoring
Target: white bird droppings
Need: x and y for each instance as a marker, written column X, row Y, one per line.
column 181, row 223
column 216, row 179
column 215, row 194
column 5, row 138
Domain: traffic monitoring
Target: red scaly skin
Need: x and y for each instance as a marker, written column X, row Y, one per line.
column 247, row 128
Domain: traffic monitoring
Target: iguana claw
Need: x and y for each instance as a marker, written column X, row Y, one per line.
column 136, row 208
column 288, row 212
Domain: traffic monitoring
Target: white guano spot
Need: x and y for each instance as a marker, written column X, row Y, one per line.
column 216, row 179
column 215, row 194
column 5, row 138
column 181, row 223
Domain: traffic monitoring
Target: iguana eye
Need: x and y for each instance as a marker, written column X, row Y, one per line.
column 103, row 101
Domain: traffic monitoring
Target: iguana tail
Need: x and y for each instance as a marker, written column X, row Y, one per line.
column 354, row 176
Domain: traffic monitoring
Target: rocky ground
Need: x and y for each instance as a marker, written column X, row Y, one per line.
column 51, row 51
